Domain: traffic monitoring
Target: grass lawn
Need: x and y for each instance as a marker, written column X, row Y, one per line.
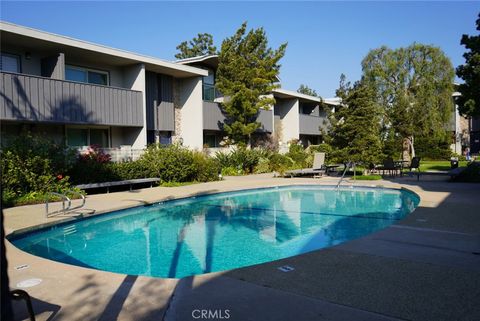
column 438, row 165
column 368, row 177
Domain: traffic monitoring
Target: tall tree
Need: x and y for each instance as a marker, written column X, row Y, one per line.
column 304, row 89
column 200, row 45
column 247, row 73
column 355, row 125
column 414, row 86
column 469, row 102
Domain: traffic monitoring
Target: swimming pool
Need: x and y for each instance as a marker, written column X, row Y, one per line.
column 220, row 231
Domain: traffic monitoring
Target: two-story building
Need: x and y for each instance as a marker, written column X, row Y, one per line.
column 85, row 93
column 82, row 94
column 294, row 116
column 212, row 115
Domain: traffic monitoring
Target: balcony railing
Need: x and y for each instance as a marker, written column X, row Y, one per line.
column 213, row 118
column 40, row 99
column 311, row 125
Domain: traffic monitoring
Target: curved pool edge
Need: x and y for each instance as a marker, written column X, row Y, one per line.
column 59, row 222
column 36, row 228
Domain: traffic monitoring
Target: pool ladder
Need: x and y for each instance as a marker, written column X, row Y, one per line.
column 348, row 165
column 65, row 199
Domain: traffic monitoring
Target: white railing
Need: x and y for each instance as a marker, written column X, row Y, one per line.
column 124, row 153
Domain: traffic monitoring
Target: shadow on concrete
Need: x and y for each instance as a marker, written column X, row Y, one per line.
column 47, row 310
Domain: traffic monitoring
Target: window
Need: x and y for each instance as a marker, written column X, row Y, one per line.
column 87, row 136
column 10, row 63
column 210, row 140
column 209, row 86
column 90, row 76
column 99, row 137
column 77, row 137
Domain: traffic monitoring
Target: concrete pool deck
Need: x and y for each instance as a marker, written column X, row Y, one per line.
column 425, row 267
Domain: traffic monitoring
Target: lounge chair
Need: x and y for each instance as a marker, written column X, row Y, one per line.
column 317, row 170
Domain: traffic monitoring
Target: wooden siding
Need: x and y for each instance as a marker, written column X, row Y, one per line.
column 213, row 118
column 38, row 99
column 159, row 98
column 310, row 125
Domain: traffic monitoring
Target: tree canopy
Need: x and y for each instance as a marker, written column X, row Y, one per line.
column 414, row 86
column 355, row 126
column 469, row 102
column 198, row 46
column 304, row 89
column 246, row 74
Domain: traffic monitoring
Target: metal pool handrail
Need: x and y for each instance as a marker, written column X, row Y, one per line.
column 64, row 198
column 347, row 166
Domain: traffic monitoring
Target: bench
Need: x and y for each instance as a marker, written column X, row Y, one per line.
column 452, row 173
column 130, row 182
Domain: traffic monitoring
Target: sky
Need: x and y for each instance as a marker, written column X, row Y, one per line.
column 325, row 39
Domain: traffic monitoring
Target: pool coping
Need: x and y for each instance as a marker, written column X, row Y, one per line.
column 109, row 280
column 61, row 222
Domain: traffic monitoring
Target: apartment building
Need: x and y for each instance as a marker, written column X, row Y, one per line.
column 84, row 93
column 212, row 114
column 295, row 116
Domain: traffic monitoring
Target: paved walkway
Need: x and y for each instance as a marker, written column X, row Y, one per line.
column 426, row 267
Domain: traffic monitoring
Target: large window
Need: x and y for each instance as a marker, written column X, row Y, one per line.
column 10, row 63
column 211, row 140
column 87, row 136
column 86, row 75
column 209, row 86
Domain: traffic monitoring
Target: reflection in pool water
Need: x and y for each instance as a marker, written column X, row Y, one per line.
column 221, row 231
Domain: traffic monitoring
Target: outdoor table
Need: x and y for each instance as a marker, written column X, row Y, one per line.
column 331, row 168
column 400, row 163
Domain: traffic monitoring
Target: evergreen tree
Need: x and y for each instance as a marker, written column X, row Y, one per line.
column 355, row 125
column 469, row 102
column 246, row 74
column 414, row 87
column 198, row 46
column 304, row 89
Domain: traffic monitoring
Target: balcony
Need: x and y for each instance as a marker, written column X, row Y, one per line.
column 213, row 118
column 310, row 125
column 39, row 99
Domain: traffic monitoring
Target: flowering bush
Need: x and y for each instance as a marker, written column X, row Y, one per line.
column 32, row 166
column 94, row 153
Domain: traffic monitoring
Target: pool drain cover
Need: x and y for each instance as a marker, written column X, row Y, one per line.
column 286, row 268
column 22, row 267
column 28, row 283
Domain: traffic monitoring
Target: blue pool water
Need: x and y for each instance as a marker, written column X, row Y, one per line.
column 221, row 231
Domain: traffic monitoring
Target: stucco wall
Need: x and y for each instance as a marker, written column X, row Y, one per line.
column 288, row 110
column 191, row 112
column 134, row 78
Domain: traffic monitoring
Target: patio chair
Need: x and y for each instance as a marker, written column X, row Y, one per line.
column 415, row 164
column 389, row 166
column 317, row 170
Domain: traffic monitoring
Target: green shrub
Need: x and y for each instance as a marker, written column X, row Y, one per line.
column 232, row 171
column 297, row 153
column 32, row 166
column 129, row 170
column 280, row 163
column 174, row 163
column 241, row 158
column 207, row 169
column 263, row 166
column 89, row 171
